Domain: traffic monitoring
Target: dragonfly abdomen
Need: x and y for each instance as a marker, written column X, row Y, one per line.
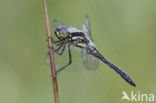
column 119, row 71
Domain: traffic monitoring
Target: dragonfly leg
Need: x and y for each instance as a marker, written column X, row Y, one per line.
column 61, row 44
column 70, row 61
column 60, row 53
column 57, row 43
column 56, row 51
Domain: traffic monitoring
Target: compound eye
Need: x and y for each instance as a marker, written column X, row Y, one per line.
column 57, row 30
column 62, row 28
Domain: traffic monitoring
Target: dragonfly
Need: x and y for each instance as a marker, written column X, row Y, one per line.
column 68, row 36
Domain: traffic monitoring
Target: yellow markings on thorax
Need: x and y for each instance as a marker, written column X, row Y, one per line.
column 83, row 45
column 76, row 37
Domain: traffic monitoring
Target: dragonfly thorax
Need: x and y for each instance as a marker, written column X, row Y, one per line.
column 61, row 32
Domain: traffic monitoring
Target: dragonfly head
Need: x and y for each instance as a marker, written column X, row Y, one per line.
column 61, row 32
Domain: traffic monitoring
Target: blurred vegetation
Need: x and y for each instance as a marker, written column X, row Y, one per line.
column 124, row 32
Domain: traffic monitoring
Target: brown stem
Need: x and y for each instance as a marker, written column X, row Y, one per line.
column 53, row 70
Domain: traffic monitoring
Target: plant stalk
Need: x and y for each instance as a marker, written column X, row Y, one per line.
column 52, row 63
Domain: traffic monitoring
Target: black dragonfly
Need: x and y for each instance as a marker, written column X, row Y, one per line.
column 71, row 36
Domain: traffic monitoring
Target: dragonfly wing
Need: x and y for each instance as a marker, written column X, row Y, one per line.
column 56, row 24
column 90, row 62
column 87, row 29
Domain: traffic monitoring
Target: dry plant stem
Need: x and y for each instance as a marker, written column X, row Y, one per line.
column 53, row 70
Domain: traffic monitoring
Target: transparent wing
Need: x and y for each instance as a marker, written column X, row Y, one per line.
column 87, row 29
column 56, row 24
column 90, row 62
column 47, row 60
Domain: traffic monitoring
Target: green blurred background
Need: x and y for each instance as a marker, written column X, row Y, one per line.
column 124, row 32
